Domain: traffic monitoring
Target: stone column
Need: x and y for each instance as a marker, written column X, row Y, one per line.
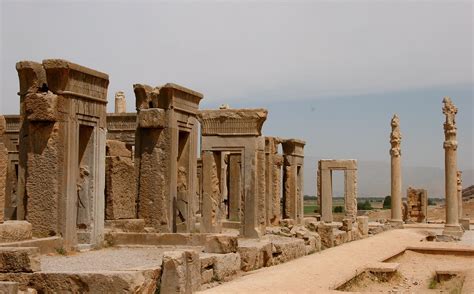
column 326, row 195
column 120, row 102
column 210, row 222
column 289, row 193
column 396, row 173
column 450, row 145
column 350, row 195
column 235, row 187
column 459, row 186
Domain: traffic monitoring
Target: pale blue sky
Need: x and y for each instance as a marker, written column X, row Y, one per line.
column 331, row 73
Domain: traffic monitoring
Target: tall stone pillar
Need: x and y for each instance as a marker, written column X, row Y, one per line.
column 120, row 102
column 396, row 173
column 235, row 187
column 211, row 195
column 459, row 186
column 450, row 145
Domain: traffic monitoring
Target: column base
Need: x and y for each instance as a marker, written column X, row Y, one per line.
column 396, row 224
column 465, row 223
column 453, row 230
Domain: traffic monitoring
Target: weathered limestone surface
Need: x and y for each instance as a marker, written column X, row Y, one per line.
column 450, row 146
column 181, row 272
column 219, row 267
column 120, row 102
column 126, row 225
column 459, row 189
column 293, row 165
column 396, row 173
column 12, row 231
column 19, row 259
column 363, row 225
column 166, row 156
column 120, row 185
column 142, row 281
column 8, row 287
column 63, row 109
column 221, row 244
column 211, row 197
column 3, row 176
column 255, row 254
column 417, row 205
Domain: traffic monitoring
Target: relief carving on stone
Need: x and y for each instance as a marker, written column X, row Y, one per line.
column 450, row 110
column 395, row 137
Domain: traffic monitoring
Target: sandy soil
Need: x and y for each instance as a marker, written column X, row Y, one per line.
column 416, row 274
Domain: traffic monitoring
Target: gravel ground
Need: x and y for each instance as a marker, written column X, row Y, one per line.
column 105, row 259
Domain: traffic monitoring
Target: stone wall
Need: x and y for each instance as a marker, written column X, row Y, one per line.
column 417, row 205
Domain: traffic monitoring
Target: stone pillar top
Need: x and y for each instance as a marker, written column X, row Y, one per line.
column 395, row 137
column 3, row 125
column 232, row 122
column 347, row 164
column 293, row 147
column 450, row 129
column 62, row 77
column 169, row 96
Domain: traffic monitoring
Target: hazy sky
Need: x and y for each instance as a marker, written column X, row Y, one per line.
column 331, row 73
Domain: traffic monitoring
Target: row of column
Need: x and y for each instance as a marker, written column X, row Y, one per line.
column 453, row 187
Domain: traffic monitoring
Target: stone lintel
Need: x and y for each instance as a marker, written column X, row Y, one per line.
column 347, row 164
column 293, row 147
column 232, row 122
column 68, row 78
column 64, row 78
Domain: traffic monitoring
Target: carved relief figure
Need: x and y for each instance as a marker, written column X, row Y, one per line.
column 182, row 187
column 83, row 202
column 450, row 110
column 395, row 137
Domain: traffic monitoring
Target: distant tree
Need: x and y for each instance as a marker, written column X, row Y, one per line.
column 364, row 206
column 431, row 201
column 338, row 209
column 387, row 202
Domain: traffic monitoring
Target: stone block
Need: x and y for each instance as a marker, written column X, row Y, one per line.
column 226, row 266
column 285, row 249
column 153, row 118
column 254, row 254
column 12, row 231
column 363, row 225
column 325, row 231
column 143, row 281
column 181, row 272
column 126, row 225
column 221, row 244
column 8, row 287
column 346, row 224
column 41, row 107
column 120, row 188
column 117, row 148
column 465, row 223
column 340, row 237
column 19, row 259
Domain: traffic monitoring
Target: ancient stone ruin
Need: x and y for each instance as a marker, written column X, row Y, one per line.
column 417, row 205
column 176, row 199
column 62, row 150
column 324, row 178
column 166, row 156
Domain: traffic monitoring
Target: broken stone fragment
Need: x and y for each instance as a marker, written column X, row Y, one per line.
column 41, row 107
column 19, row 259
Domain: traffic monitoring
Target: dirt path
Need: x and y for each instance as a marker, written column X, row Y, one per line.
column 320, row 272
